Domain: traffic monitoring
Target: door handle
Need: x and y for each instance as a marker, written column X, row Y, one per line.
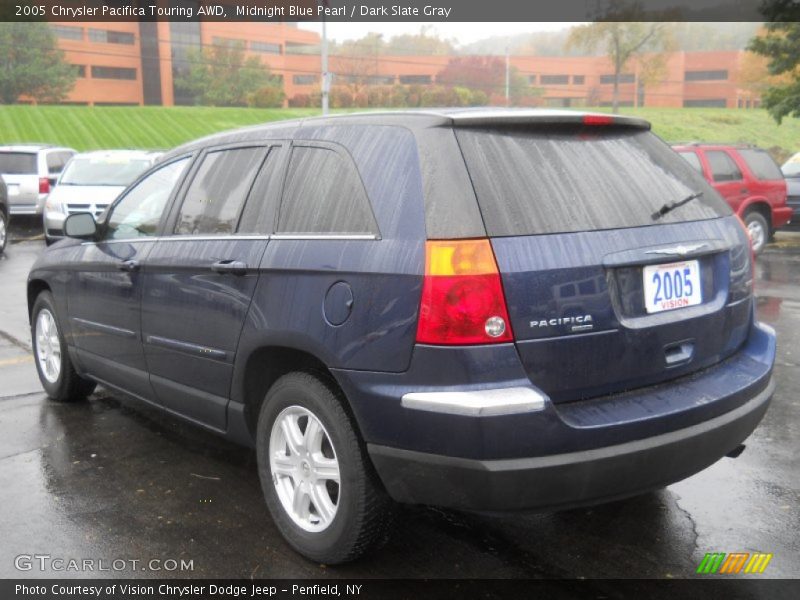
column 234, row 267
column 128, row 265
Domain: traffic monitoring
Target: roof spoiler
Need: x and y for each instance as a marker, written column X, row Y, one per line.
column 489, row 119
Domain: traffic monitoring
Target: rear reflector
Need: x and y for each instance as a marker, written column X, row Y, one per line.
column 598, row 120
column 462, row 295
column 44, row 185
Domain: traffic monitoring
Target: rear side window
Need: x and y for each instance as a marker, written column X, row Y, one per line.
column 18, row 163
column 566, row 179
column 723, row 168
column 692, row 159
column 761, row 164
column 323, row 194
column 215, row 197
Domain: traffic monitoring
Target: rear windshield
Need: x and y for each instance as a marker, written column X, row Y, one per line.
column 761, row 164
column 103, row 171
column 18, row 163
column 566, row 179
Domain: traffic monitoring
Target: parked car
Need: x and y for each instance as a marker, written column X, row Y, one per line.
column 30, row 171
column 381, row 305
column 4, row 216
column 90, row 182
column 791, row 171
column 750, row 182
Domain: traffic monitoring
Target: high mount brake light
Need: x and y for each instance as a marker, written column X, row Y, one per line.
column 462, row 295
column 598, row 120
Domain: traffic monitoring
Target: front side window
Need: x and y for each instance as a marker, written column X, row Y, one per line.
column 692, row 159
column 323, row 194
column 139, row 212
column 214, row 200
column 722, row 166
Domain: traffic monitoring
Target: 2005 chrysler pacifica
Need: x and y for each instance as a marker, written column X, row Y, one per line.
column 486, row 310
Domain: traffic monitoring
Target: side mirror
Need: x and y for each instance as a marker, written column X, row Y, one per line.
column 81, row 226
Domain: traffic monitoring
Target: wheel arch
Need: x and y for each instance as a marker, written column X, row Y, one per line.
column 264, row 365
column 35, row 287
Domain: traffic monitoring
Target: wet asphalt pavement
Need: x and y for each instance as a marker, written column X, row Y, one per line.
column 111, row 479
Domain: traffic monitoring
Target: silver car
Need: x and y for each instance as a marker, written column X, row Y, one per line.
column 791, row 171
column 30, row 171
column 90, row 182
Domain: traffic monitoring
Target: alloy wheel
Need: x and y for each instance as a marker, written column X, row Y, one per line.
column 48, row 346
column 304, row 468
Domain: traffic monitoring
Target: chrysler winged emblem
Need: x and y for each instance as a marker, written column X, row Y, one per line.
column 680, row 250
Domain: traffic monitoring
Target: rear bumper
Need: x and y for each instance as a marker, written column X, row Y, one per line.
column 564, row 480
column 432, row 443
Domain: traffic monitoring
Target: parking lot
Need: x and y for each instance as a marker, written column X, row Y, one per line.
column 110, row 479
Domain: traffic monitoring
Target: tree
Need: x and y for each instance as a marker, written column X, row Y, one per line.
column 624, row 38
column 781, row 45
column 222, row 76
column 484, row 73
column 32, row 65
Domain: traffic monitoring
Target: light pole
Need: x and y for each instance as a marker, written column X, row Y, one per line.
column 508, row 77
column 324, row 57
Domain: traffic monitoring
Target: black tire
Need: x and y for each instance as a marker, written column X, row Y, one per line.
column 3, row 230
column 755, row 219
column 364, row 512
column 68, row 386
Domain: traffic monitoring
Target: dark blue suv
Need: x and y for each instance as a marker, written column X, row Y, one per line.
column 484, row 310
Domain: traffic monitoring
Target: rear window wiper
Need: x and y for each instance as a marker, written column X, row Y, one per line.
column 673, row 205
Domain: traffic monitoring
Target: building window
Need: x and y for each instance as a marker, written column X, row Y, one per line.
column 578, row 79
column 65, row 32
column 411, row 79
column 80, row 70
column 718, row 75
column 113, row 73
column 623, row 78
column 380, row 80
column 531, row 79
column 229, row 42
column 304, row 79
column 265, row 47
column 554, row 79
column 705, row 103
column 106, row 36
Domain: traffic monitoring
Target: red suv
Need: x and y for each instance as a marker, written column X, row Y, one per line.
column 749, row 180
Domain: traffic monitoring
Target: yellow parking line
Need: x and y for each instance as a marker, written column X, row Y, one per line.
column 16, row 361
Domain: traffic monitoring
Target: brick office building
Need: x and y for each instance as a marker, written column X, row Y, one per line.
column 135, row 63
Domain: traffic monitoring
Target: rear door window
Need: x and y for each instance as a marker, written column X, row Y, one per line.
column 214, row 200
column 323, row 194
column 18, row 163
column 567, row 178
column 761, row 164
column 723, row 167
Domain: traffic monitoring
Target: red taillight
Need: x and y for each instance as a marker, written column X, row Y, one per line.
column 462, row 295
column 44, row 185
column 598, row 120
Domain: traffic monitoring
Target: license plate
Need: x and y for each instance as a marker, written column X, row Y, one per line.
column 671, row 286
column 13, row 190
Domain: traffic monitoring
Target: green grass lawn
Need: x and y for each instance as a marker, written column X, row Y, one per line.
column 723, row 125
column 147, row 127
column 87, row 128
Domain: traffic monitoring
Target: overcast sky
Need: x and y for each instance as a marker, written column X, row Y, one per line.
column 464, row 33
